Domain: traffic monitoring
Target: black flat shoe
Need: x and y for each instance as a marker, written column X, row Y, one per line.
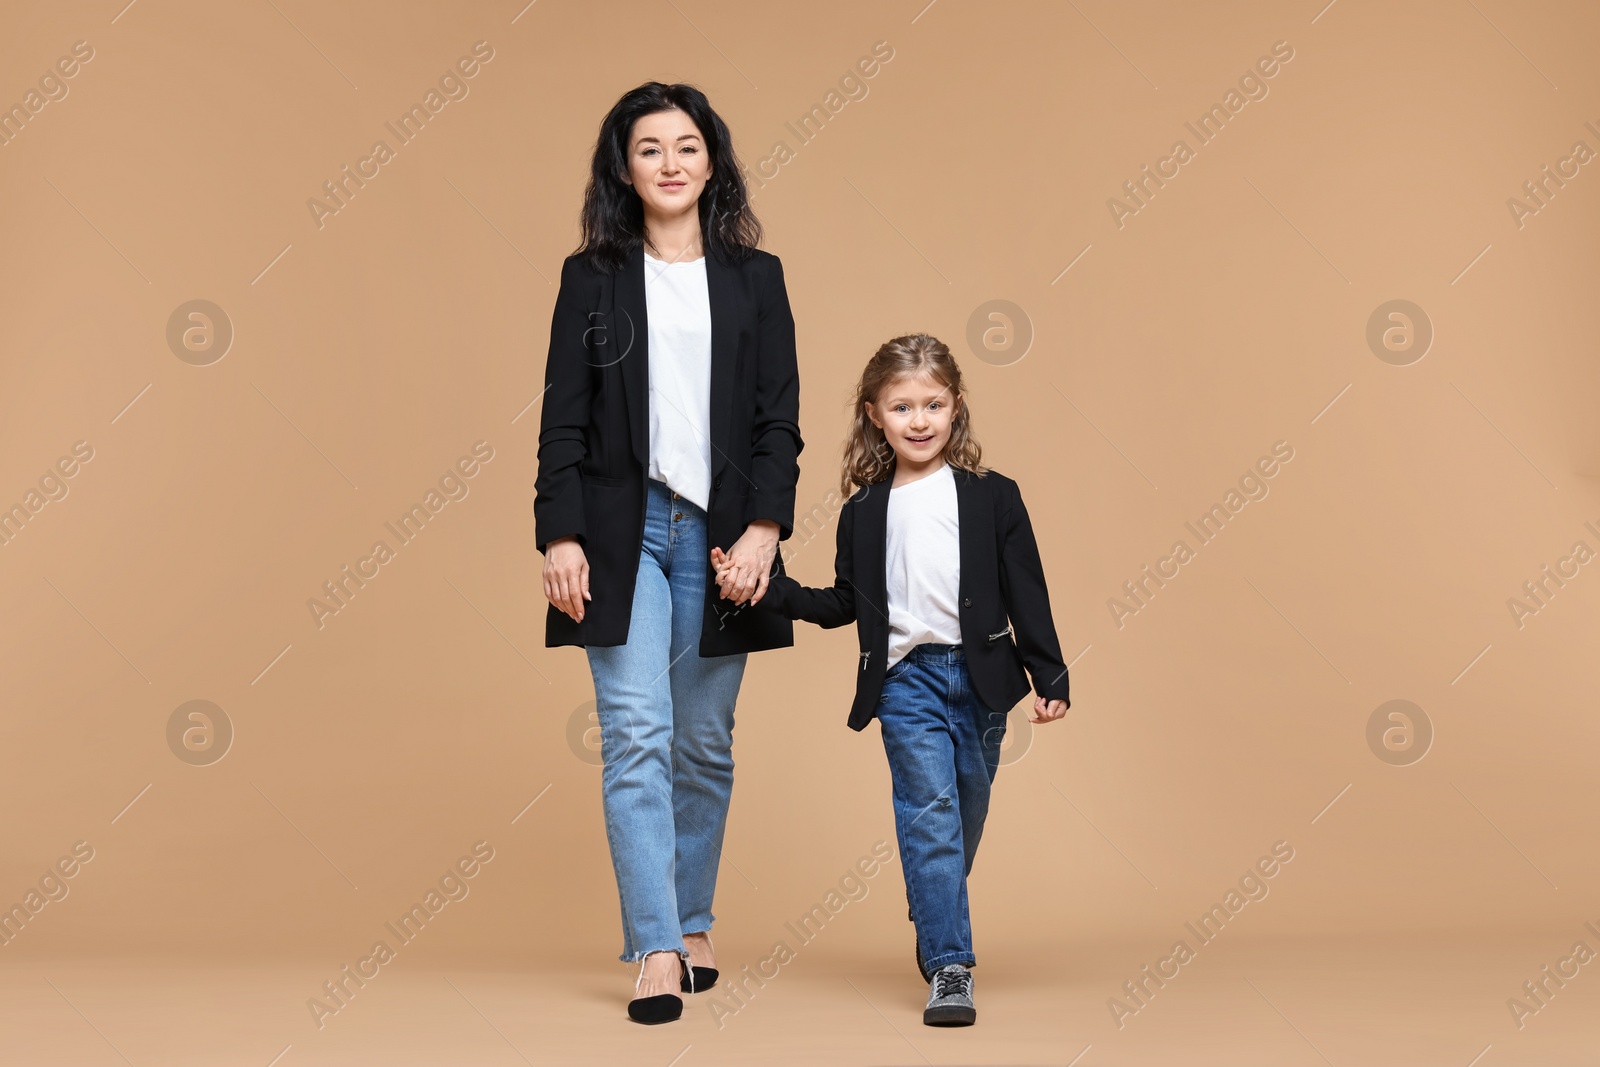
column 661, row 1008
column 700, row 979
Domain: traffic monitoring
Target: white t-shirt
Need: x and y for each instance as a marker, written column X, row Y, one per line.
column 678, row 309
column 922, row 563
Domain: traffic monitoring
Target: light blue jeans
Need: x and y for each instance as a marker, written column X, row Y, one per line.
column 944, row 748
column 666, row 737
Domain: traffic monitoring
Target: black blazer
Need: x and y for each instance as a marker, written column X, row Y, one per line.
column 594, row 439
column 1002, row 583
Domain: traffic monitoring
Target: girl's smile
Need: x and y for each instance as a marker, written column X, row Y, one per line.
column 914, row 413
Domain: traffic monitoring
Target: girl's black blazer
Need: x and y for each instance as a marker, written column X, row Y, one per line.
column 1005, row 606
column 594, row 438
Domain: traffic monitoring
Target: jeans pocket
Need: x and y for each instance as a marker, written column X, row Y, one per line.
column 894, row 674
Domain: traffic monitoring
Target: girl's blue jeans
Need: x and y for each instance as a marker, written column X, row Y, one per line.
column 666, row 737
column 944, row 748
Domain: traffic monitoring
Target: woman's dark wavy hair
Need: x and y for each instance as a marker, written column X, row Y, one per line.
column 613, row 214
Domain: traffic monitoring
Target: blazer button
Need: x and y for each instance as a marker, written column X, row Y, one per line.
column 966, row 602
column 716, row 483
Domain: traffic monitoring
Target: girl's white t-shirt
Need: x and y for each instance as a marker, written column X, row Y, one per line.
column 922, row 561
column 678, row 310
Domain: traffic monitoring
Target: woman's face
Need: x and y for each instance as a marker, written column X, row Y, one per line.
column 667, row 163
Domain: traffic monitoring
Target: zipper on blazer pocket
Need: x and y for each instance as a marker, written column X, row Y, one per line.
column 864, row 656
column 1002, row 633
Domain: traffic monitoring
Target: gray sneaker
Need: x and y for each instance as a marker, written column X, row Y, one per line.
column 950, row 998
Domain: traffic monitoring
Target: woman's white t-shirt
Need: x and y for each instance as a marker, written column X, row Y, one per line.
column 922, row 561
column 678, row 310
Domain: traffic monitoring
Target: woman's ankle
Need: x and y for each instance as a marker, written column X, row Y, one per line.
column 658, row 973
column 702, row 953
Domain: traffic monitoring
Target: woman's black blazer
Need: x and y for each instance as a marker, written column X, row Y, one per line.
column 594, row 438
column 1005, row 606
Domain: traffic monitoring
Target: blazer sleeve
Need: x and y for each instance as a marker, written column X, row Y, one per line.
column 776, row 442
column 1028, row 600
column 829, row 607
column 564, row 417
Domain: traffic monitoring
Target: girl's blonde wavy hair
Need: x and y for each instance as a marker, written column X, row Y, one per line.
column 868, row 456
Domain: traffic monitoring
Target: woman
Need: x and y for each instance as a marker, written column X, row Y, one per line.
column 670, row 426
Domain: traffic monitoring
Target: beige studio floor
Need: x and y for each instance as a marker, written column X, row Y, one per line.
column 1301, row 1004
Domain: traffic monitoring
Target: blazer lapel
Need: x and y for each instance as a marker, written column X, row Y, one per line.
column 633, row 330
column 630, row 333
column 974, row 533
column 872, row 539
column 722, row 292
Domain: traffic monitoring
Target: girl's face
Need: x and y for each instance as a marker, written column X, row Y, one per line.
column 915, row 413
column 667, row 163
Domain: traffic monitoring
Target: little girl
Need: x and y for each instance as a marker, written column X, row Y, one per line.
column 936, row 563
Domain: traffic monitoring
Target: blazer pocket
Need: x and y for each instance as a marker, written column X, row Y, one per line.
column 597, row 479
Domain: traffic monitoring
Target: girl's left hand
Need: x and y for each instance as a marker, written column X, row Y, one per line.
column 1048, row 712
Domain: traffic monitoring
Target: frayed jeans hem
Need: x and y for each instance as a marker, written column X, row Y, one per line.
column 683, row 953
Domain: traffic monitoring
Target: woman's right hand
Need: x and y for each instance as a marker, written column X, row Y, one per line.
column 566, row 576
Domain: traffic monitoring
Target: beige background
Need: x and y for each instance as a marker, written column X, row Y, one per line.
column 1228, row 314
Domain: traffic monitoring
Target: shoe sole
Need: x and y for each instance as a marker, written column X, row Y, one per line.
column 949, row 1016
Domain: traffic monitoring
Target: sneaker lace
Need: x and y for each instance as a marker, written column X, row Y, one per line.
column 952, row 981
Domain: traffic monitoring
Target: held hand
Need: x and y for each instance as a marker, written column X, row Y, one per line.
column 1047, row 712
column 721, row 565
column 742, row 571
column 566, row 576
